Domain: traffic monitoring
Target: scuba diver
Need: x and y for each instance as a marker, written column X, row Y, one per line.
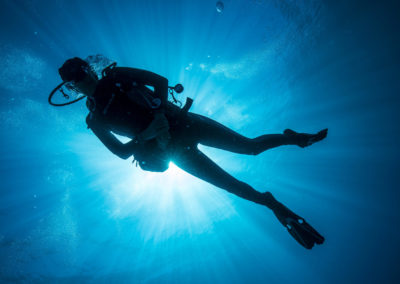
column 134, row 103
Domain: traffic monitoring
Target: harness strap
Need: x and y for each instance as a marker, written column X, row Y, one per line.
column 187, row 106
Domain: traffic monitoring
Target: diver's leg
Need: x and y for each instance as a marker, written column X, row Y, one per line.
column 199, row 165
column 214, row 134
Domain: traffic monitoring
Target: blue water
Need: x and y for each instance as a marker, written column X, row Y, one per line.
column 70, row 211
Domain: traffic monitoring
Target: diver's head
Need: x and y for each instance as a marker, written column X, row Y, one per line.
column 78, row 72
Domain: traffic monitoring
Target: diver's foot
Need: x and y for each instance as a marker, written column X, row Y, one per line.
column 303, row 139
column 298, row 228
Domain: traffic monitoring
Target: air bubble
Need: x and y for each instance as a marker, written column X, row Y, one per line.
column 219, row 6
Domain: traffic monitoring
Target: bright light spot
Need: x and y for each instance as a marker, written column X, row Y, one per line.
column 164, row 203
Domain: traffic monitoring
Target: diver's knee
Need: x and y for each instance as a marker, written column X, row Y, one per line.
column 254, row 147
column 256, row 150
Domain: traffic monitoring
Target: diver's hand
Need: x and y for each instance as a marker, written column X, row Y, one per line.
column 157, row 128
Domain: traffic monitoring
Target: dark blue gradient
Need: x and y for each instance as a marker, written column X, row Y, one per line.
column 70, row 211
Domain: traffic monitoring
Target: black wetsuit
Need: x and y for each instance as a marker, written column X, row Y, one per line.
column 112, row 110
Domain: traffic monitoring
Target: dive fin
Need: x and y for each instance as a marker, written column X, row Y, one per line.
column 297, row 227
column 303, row 233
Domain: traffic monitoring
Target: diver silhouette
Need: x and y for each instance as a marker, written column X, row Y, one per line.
column 121, row 102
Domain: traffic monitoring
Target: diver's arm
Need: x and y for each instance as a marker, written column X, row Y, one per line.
column 157, row 127
column 159, row 83
column 124, row 151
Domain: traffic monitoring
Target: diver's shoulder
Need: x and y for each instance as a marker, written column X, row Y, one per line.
column 114, row 74
column 117, row 70
column 117, row 75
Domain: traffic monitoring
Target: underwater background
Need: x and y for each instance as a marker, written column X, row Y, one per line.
column 70, row 211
